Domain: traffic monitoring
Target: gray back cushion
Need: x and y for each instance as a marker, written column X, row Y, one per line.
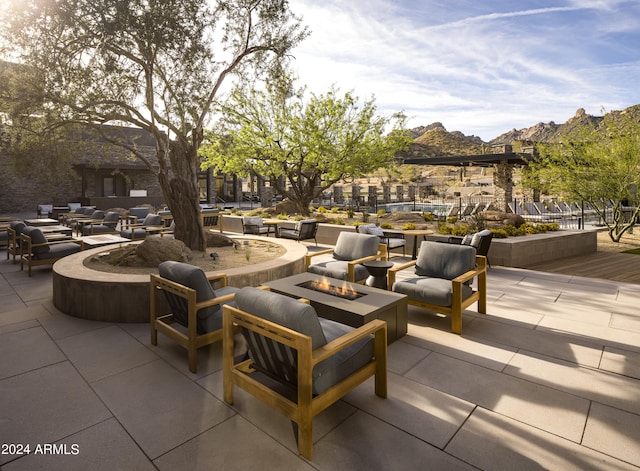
column 477, row 237
column 111, row 217
column 98, row 214
column 445, row 261
column 192, row 277
column 282, row 310
column 352, row 246
column 37, row 237
column 152, row 220
column 17, row 227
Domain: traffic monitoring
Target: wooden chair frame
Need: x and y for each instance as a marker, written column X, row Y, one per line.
column 162, row 322
column 351, row 264
column 205, row 217
column 13, row 244
column 307, row 406
column 457, row 303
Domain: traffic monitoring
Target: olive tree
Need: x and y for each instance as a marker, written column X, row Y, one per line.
column 303, row 145
column 158, row 65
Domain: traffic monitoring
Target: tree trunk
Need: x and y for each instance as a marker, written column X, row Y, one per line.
column 180, row 187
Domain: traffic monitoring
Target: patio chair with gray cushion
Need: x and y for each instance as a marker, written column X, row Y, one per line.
column 107, row 226
column 195, row 317
column 299, row 364
column 37, row 250
column 303, row 230
column 137, row 214
column 254, row 225
column 392, row 239
column 139, row 231
column 481, row 241
column 344, row 261
column 442, row 280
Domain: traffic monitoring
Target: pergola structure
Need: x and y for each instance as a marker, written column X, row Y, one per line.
column 502, row 162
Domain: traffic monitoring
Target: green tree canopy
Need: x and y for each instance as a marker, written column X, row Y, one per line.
column 600, row 166
column 155, row 64
column 304, row 147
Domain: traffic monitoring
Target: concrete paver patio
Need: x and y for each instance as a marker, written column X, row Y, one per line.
column 548, row 379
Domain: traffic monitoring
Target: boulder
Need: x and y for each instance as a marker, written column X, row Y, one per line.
column 152, row 252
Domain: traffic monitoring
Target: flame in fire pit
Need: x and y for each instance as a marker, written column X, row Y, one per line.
column 324, row 286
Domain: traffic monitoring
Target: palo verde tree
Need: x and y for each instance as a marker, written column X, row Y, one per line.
column 304, row 147
column 599, row 165
column 154, row 64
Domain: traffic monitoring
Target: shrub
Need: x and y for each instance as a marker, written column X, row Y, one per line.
column 386, row 225
column 282, row 216
column 499, row 233
column 510, row 230
column 427, row 216
column 339, row 221
column 462, row 230
column 335, row 210
column 452, row 219
column 444, row 228
column 322, row 209
column 365, row 216
column 350, row 213
column 381, row 212
column 409, row 226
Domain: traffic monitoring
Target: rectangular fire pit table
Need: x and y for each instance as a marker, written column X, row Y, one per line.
column 370, row 303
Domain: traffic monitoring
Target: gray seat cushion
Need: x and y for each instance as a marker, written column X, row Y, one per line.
column 395, row 242
column 60, row 250
column 444, row 260
column 302, row 318
column 429, row 290
column 208, row 318
column 338, row 269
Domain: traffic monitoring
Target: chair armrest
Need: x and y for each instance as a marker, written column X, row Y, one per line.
column 376, row 327
column 222, row 277
column 402, row 266
column 391, row 273
column 307, row 258
column 351, row 265
column 481, row 268
column 216, row 300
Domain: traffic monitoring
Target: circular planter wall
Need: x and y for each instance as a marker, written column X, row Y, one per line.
column 113, row 297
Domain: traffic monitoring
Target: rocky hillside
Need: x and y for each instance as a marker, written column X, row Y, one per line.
column 435, row 140
column 546, row 132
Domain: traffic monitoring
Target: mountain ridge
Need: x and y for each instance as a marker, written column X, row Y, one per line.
column 434, row 139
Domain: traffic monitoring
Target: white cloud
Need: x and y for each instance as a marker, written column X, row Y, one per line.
column 480, row 72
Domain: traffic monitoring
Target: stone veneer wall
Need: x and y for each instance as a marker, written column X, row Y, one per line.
column 526, row 251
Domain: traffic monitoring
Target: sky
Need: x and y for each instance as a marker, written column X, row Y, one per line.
column 482, row 67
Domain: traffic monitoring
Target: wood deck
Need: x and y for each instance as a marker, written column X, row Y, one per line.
column 605, row 265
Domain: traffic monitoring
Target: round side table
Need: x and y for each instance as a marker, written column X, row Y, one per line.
column 377, row 273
